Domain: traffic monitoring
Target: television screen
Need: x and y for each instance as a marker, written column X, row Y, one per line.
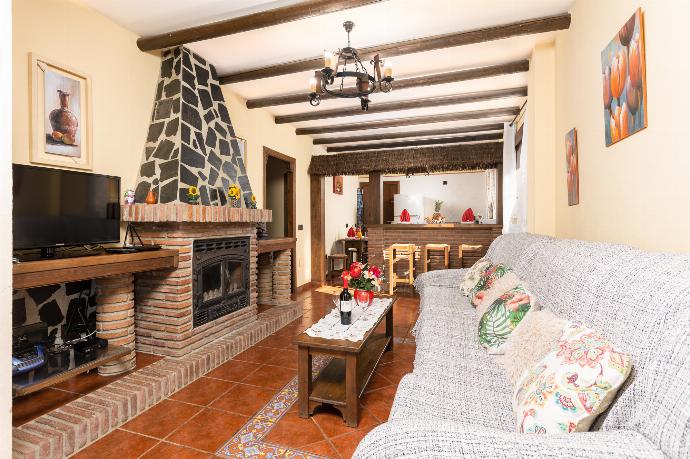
column 53, row 207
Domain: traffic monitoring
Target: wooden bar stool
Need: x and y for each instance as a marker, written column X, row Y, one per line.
column 469, row 254
column 332, row 260
column 397, row 252
column 445, row 248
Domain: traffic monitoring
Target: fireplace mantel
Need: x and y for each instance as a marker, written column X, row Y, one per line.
column 187, row 213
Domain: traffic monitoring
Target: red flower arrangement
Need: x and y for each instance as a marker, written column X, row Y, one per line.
column 364, row 279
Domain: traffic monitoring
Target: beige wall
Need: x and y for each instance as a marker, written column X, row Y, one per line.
column 123, row 79
column 258, row 128
column 541, row 201
column 637, row 191
column 341, row 209
column 6, row 231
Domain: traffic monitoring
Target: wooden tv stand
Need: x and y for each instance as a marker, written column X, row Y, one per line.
column 113, row 274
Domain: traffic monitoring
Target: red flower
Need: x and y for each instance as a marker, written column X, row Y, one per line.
column 375, row 271
column 355, row 270
column 345, row 274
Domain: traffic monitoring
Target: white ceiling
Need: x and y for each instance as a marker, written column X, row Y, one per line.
column 384, row 22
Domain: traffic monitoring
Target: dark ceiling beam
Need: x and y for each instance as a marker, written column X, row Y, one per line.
column 417, row 143
column 397, row 122
column 528, row 27
column 404, row 105
column 405, row 135
column 254, row 21
column 407, row 83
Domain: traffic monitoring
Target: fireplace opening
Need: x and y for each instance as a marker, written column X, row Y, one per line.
column 220, row 277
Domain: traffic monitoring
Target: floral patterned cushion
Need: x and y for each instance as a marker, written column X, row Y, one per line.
column 487, row 278
column 472, row 276
column 503, row 316
column 571, row 385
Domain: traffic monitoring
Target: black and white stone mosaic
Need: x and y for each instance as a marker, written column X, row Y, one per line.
column 191, row 141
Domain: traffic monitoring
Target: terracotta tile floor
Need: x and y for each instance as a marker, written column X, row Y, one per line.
column 200, row 419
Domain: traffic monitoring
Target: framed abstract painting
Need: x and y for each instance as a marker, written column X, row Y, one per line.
column 60, row 115
column 572, row 170
column 624, row 81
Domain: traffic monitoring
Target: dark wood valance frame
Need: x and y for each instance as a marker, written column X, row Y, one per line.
column 464, row 157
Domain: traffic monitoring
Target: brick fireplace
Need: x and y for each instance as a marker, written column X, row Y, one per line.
column 170, row 317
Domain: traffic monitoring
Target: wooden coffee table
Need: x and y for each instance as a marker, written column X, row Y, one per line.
column 342, row 382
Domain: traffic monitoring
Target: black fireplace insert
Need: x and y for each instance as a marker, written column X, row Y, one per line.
column 220, row 277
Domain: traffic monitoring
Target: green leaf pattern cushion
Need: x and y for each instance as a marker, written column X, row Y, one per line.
column 502, row 317
column 486, row 280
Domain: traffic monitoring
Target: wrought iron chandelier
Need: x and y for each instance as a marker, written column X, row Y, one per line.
column 344, row 75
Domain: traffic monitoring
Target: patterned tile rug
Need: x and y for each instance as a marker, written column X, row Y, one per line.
column 248, row 442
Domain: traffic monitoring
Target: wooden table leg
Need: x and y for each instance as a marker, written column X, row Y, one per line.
column 389, row 328
column 351, row 399
column 304, row 380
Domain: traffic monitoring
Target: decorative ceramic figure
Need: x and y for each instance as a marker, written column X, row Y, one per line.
column 193, row 195
column 129, row 196
column 63, row 121
column 150, row 198
column 252, row 203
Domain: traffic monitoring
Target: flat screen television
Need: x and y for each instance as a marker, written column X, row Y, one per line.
column 54, row 208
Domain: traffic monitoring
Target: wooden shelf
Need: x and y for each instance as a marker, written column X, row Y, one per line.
column 47, row 272
column 60, row 367
column 273, row 244
column 329, row 386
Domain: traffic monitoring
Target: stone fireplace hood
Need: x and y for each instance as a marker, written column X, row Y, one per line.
column 191, row 141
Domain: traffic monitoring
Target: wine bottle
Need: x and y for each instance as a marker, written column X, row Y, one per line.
column 345, row 304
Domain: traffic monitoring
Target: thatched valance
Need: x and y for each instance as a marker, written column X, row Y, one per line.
column 464, row 157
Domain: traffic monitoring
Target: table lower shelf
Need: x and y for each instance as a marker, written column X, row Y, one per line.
column 59, row 367
column 329, row 386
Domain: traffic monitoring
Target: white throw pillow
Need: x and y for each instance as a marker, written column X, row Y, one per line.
column 472, row 276
column 574, row 383
column 531, row 340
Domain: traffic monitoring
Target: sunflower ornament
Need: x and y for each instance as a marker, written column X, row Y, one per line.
column 252, row 203
column 193, row 195
column 234, row 195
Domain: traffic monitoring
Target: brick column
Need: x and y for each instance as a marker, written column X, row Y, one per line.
column 264, row 281
column 115, row 319
column 282, row 273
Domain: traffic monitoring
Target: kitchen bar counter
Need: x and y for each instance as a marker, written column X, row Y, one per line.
column 475, row 237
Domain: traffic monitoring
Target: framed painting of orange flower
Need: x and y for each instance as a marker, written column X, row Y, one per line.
column 571, row 162
column 624, row 81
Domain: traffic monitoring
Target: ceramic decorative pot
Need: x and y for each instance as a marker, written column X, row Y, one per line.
column 62, row 119
column 235, row 203
column 364, row 297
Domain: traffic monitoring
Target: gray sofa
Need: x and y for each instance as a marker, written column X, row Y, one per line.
column 457, row 400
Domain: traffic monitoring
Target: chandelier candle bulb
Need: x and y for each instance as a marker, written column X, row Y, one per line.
column 327, row 59
column 388, row 69
column 312, row 85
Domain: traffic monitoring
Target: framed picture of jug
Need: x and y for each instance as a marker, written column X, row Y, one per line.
column 60, row 115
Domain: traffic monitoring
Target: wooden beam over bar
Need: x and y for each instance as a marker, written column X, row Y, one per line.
column 416, row 143
column 528, row 27
column 405, row 135
column 404, row 105
column 397, row 122
column 254, row 21
column 407, row 83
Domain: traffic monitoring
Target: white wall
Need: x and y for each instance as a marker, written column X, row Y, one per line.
column 6, row 231
column 637, row 191
column 340, row 210
column 462, row 191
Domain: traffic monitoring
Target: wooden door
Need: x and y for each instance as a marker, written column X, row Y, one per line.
column 390, row 189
